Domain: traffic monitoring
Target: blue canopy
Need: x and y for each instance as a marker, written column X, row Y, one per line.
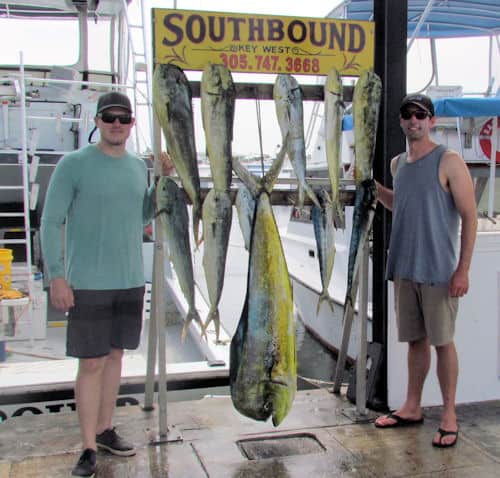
column 435, row 18
column 467, row 107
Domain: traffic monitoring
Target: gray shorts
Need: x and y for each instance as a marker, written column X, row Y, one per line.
column 424, row 310
column 102, row 320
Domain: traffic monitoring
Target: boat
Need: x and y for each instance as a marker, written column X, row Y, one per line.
column 466, row 122
column 48, row 111
column 24, row 81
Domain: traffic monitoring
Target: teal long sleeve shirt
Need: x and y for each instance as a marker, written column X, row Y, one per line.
column 104, row 203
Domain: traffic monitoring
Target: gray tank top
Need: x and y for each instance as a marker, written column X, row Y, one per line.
column 424, row 238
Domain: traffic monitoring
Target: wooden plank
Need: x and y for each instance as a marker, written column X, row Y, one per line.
column 264, row 91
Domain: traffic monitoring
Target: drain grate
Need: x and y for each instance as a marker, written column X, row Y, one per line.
column 278, row 446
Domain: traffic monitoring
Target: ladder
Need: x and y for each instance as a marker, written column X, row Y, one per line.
column 28, row 186
column 141, row 75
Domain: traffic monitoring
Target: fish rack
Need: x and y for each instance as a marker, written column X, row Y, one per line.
column 286, row 197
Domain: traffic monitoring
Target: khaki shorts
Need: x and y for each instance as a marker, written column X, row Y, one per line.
column 424, row 310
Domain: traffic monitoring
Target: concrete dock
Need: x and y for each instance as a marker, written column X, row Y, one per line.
column 321, row 437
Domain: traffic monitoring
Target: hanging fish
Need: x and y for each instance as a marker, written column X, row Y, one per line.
column 172, row 102
column 365, row 107
column 288, row 101
column 322, row 218
column 245, row 206
column 334, row 112
column 263, row 359
column 173, row 215
column 366, row 104
column 217, row 109
column 217, row 217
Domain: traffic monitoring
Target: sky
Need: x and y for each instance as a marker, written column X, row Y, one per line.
column 464, row 63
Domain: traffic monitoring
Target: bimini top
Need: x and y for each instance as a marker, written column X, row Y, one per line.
column 435, row 18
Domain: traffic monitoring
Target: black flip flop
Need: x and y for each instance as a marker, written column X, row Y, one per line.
column 401, row 422
column 442, row 434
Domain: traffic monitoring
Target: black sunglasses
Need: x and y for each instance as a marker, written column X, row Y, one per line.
column 111, row 117
column 419, row 114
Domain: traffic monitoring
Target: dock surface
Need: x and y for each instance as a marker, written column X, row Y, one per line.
column 321, row 437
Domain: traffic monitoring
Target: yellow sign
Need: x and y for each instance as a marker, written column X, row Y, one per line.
column 262, row 44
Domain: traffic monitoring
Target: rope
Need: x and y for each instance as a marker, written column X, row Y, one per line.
column 259, row 127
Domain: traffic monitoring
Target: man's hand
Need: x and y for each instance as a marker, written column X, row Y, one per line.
column 167, row 166
column 61, row 294
column 459, row 284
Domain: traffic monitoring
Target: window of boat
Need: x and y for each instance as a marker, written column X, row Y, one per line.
column 460, row 61
column 42, row 42
column 54, row 42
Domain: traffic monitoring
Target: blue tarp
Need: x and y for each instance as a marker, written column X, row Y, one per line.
column 453, row 107
column 467, row 107
column 446, row 18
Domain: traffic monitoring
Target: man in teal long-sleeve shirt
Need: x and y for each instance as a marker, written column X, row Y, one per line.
column 101, row 194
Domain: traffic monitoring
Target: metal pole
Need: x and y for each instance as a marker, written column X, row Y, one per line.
column 495, row 131
column 363, row 346
column 390, row 64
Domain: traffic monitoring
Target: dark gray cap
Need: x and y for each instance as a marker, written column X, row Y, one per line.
column 422, row 101
column 113, row 98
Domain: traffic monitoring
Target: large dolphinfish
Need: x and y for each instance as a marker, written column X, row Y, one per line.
column 172, row 101
column 263, row 362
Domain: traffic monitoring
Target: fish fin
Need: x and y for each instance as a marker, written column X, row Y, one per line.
column 312, row 195
column 270, row 177
column 196, row 211
column 252, row 182
column 213, row 316
column 324, row 296
column 192, row 315
column 338, row 216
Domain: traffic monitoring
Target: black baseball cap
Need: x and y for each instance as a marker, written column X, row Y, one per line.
column 422, row 101
column 113, row 98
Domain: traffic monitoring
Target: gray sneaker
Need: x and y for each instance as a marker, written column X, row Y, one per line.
column 86, row 464
column 110, row 441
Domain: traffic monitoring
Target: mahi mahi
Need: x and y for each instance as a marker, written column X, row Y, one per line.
column 217, row 110
column 365, row 107
column 366, row 104
column 322, row 218
column 217, row 216
column 245, row 207
column 289, row 110
column 172, row 101
column 334, row 111
column 263, row 362
column 173, row 215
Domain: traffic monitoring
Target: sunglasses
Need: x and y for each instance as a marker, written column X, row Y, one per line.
column 111, row 117
column 419, row 114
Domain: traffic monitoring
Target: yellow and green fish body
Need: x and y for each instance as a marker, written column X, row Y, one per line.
column 263, row 362
column 172, row 102
column 365, row 106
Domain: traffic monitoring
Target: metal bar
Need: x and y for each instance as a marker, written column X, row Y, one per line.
column 390, row 64
column 13, row 241
column 363, row 345
column 495, row 132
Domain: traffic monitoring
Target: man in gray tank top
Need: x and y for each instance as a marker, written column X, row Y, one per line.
column 428, row 260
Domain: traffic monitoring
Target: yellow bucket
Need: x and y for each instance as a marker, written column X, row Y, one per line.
column 5, row 268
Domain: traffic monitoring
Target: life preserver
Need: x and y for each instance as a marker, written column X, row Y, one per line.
column 485, row 139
